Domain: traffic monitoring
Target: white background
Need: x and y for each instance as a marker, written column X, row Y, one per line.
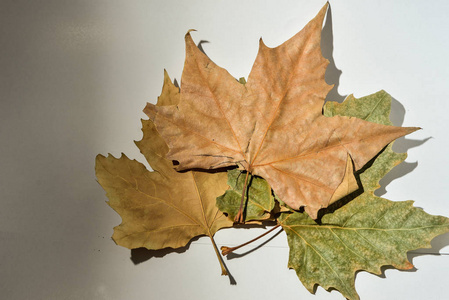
column 74, row 78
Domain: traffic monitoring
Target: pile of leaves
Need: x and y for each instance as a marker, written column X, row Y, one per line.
column 227, row 151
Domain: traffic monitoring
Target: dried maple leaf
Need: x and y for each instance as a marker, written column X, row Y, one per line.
column 163, row 208
column 271, row 126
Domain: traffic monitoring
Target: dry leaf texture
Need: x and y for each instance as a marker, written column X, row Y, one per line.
column 272, row 126
column 163, row 208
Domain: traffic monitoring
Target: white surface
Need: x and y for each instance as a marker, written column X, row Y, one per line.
column 74, row 77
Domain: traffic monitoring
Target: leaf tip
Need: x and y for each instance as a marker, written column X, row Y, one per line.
column 408, row 266
column 323, row 11
column 262, row 44
column 188, row 33
column 412, row 129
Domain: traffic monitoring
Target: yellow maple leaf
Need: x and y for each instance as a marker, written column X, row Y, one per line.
column 163, row 208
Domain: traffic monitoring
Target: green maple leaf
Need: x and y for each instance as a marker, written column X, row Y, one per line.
column 365, row 234
column 368, row 232
column 259, row 200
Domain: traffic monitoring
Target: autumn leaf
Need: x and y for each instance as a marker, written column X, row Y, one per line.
column 259, row 201
column 271, row 126
column 366, row 233
column 163, row 208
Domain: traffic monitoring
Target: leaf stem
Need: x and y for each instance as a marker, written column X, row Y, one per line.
column 239, row 217
column 220, row 258
column 226, row 250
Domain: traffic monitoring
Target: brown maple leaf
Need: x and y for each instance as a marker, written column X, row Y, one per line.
column 163, row 208
column 273, row 125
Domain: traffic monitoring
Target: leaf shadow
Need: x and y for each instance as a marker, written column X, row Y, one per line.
column 330, row 289
column 140, row 255
column 437, row 244
column 210, row 171
column 245, row 203
column 346, row 199
column 176, row 83
column 397, row 114
column 384, row 269
column 332, row 75
column 401, row 145
column 200, row 46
